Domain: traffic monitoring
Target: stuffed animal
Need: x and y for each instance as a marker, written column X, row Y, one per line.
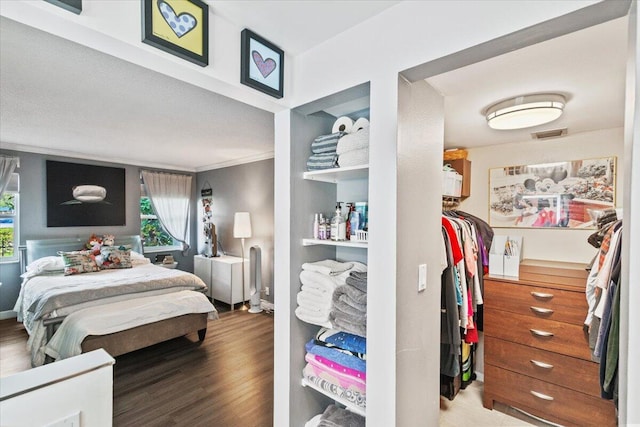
column 94, row 244
column 108, row 239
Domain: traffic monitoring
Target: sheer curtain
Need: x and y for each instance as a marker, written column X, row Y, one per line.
column 170, row 196
column 7, row 166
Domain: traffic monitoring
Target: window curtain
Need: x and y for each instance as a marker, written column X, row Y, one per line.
column 7, row 166
column 170, row 196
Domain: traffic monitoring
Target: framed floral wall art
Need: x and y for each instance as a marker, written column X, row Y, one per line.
column 569, row 195
column 261, row 64
column 180, row 27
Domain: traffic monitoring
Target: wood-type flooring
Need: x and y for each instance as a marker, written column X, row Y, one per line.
column 226, row 381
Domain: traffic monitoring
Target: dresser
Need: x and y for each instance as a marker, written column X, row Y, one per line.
column 223, row 277
column 537, row 356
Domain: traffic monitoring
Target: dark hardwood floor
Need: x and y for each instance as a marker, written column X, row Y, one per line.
column 227, row 380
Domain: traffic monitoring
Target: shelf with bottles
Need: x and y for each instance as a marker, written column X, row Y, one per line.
column 350, row 406
column 336, row 175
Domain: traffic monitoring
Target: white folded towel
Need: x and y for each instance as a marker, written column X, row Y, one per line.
column 319, row 281
column 328, row 267
column 353, row 141
column 310, row 317
column 354, row 158
column 317, row 292
column 341, row 279
column 321, row 305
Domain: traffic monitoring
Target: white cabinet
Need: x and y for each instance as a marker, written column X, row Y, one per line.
column 223, row 276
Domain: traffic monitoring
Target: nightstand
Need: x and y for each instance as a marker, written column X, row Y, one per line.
column 223, row 277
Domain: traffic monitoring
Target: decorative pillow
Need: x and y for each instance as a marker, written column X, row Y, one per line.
column 115, row 257
column 77, row 262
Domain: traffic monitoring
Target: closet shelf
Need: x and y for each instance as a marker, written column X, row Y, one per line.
column 346, row 243
column 336, row 175
column 350, row 406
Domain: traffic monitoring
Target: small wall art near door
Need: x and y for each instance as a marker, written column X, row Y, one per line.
column 84, row 195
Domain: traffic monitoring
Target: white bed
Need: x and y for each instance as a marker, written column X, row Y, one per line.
column 119, row 309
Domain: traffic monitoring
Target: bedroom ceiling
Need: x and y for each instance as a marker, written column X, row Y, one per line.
column 63, row 98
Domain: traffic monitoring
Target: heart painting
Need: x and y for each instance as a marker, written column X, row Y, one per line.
column 181, row 23
column 266, row 66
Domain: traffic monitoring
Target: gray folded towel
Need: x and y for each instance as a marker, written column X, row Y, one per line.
column 326, row 143
column 334, row 416
column 350, row 300
column 358, row 279
column 322, row 161
column 348, row 323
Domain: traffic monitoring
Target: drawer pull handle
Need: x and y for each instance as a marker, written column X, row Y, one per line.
column 541, row 333
column 541, row 396
column 540, row 310
column 541, row 364
column 541, row 295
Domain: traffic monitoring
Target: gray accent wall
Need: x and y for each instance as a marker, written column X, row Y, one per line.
column 242, row 188
column 33, row 216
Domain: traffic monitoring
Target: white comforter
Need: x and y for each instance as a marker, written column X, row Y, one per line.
column 40, row 292
column 119, row 316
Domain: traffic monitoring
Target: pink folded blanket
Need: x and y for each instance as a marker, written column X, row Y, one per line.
column 335, row 375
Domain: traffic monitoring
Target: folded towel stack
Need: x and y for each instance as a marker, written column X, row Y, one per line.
column 323, row 152
column 336, row 361
column 349, row 310
column 353, row 148
column 319, row 281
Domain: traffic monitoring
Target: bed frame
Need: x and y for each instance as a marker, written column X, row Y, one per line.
column 128, row 340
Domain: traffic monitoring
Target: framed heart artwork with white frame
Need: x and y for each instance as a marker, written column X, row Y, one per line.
column 180, row 27
column 261, row 64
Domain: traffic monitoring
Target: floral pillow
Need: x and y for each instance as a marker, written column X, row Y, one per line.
column 77, row 262
column 115, row 257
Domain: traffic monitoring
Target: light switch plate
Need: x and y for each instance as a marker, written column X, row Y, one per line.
column 422, row 277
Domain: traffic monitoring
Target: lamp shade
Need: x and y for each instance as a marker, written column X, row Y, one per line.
column 525, row 111
column 242, row 225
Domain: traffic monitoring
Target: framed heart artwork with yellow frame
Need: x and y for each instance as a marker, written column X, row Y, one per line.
column 261, row 64
column 180, row 27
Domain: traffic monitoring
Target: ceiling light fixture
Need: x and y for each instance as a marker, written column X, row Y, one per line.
column 525, row 111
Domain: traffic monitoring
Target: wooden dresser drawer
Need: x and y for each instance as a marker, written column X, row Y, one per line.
column 576, row 374
column 544, row 303
column 545, row 334
column 546, row 400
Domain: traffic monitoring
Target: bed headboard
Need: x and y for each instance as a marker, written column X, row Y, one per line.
column 50, row 247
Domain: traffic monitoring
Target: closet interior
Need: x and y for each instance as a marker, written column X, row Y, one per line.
column 538, row 349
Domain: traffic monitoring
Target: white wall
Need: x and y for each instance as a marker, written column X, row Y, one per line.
column 413, row 32
column 410, row 34
column 114, row 27
column 420, row 143
column 548, row 244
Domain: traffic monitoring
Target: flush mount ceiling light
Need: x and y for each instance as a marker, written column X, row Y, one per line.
column 525, row 111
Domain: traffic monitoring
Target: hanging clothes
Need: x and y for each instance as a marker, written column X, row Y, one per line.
column 462, row 289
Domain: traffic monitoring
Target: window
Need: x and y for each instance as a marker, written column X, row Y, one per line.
column 153, row 235
column 9, row 218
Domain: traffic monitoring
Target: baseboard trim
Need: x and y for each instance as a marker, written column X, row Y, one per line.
column 480, row 376
column 8, row 314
